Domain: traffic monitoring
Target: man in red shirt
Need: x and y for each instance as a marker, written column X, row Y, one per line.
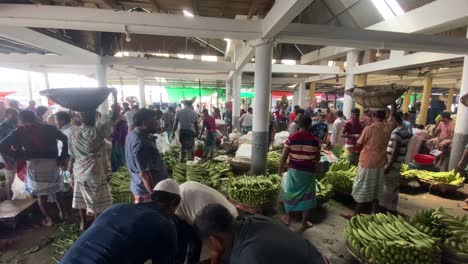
column 352, row 130
column 209, row 123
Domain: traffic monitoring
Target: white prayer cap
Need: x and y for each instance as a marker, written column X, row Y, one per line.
column 168, row 185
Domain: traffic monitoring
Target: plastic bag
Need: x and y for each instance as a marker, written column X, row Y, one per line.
column 246, row 139
column 280, row 138
column 199, row 145
column 244, row 152
column 162, row 142
column 19, row 193
column 234, row 135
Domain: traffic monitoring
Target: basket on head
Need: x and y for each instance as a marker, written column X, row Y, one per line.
column 78, row 99
column 378, row 96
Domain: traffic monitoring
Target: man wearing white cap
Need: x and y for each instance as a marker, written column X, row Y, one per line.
column 194, row 197
column 132, row 233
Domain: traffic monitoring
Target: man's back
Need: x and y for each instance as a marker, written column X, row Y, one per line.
column 261, row 240
column 187, row 118
column 125, row 234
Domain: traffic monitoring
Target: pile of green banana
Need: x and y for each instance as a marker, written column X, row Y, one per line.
column 342, row 165
column 208, row 173
column 120, row 186
column 385, row 238
column 324, row 191
column 447, row 177
column 171, row 157
column 273, row 160
column 254, row 191
column 341, row 180
column 451, row 230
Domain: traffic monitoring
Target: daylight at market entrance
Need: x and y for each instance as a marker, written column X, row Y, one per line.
column 234, row 131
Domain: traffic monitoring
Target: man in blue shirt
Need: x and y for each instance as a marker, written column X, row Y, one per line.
column 143, row 159
column 320, row 129
column 131, row 233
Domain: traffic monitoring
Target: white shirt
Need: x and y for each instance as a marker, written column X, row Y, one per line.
column 129, row 116
column 195, row 196
column 66, row 131
column 187, row 118
column 246, row 119
column 337, row 139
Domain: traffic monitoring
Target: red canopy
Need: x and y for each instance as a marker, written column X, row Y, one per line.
column 3, row 94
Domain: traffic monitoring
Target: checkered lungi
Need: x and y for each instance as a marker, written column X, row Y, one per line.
column 43, row 177
column 368, row 185
column 389, row 198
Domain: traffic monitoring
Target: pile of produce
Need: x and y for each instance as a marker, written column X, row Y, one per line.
column 255, row 191
column 342, row 165
column 451, row 230
column 446, row 177
column 171, row 157
column 386, row 238
column 341, row 180
column 208, row 173
column 120, row 186
column 273, row 160
column 67, row 234
column 324, row 191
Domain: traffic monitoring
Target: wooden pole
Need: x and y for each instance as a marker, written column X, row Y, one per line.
column 426, row 99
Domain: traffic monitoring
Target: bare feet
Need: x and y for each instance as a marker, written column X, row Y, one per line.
column 5, row 244
column 347, row 215
column 62, row 215
column 285, row 219
column 47, row 222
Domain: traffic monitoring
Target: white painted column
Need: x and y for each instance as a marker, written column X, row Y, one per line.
column 141, row 89
column 261, row 102
column 303, row 96
column 236, row 100
column 101, row 74
column 460, row 139
column 30, row 90
column 228, row 91
column 351, row 59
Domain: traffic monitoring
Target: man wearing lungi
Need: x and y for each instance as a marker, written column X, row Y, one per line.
column 37, row 143
column 368, row 186
column 187, row 120
column 88, row 154
column 209, row 123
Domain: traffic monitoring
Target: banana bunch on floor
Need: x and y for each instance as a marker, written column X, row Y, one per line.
column 385, row 238
column 451, row 230
column 119, row 185
column 255, row 191
column 447, row 177
column 341, row 180
column 324, row 191
column 342, row 165
column 273, row 160
column 208, row 173
column 171, row 157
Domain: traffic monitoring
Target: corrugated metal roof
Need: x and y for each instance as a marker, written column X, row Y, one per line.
column 408, row 5
column 9, row 46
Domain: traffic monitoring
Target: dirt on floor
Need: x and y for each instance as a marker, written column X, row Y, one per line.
column 34, row 244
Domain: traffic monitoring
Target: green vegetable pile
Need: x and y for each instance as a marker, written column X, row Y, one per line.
column 452, row 231
column 120, row 186
column 324, row 191
column 208, row 173
column 273, row 160
column 446, row 177
column 255, row 191
column 171, row 157
column 386, row 238
column 67, row 234
column 341, row 176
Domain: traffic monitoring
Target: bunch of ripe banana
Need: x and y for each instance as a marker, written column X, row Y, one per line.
column 446, row 177
column 451, row 230
column 385, row 238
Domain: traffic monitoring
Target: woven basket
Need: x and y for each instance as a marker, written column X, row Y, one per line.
column 240, row 166
column 378, row 96
column 451, row 258
column 357, row 255
column 438, row 187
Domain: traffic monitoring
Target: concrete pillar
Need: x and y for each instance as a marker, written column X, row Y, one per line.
column 312, row 94
column 460, row 139
column 361, row 81
column 101, row 74
column 141, row 92
column 228, row 91
column 450, row 99
column 30, row 89
column 262, row 89
column 351, row 59
column 303, row 96
column 46, row 80
column 406, row 101
column 425, row 100
column 236, row 93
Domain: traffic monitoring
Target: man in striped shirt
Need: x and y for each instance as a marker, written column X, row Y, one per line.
column 396, row 153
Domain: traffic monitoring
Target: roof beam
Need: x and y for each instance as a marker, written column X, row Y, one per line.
column 93, row 19
column 407, row 61
column 112, row 4
column 297, row 69
column 219, row 66
column 444, row 15
column 280, row 15
column 366, row 39
column 44, row 42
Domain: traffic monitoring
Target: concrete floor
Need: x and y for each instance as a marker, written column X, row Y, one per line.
column 34, row 244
